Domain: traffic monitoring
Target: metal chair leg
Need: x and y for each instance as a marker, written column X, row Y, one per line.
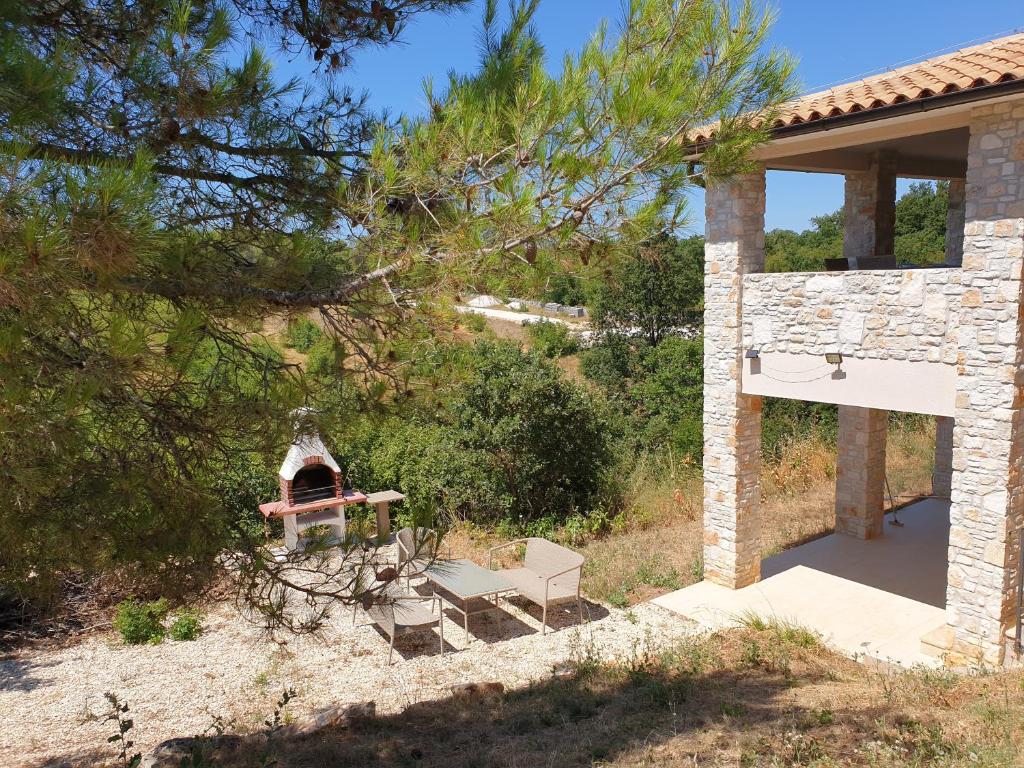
column 391, row 650
column 579, row 604
column 440, row 627
column 544, row 620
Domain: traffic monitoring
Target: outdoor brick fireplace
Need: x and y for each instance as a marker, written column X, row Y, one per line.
column 309, row 474
column 312, row 491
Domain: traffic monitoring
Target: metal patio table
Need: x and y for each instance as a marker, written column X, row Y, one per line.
column 466, row 586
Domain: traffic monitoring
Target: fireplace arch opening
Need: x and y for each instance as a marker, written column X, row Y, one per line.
column 313, row 483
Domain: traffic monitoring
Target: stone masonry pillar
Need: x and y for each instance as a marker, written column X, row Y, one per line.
column 870, row 220
column 955, row 211
column 942, row 473
column 988, row 436
column 869, row 211
column 860, row 471
column 732, row 421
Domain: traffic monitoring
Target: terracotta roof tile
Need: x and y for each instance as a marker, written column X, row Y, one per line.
column 997, row 61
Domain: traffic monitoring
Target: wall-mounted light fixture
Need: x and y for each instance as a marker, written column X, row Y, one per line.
column 754, row 356
column 836, row 359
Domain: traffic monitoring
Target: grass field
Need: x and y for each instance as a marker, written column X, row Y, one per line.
column 655, row 546
column 762, row 695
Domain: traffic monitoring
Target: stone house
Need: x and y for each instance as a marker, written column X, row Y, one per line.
column 944, row 341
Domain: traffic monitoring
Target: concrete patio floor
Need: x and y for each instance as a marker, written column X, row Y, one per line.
column 872, row 598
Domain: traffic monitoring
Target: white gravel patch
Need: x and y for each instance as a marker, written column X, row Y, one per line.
column 53, row 702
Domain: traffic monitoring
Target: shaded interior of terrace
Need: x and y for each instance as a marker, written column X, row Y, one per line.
column 882, row 598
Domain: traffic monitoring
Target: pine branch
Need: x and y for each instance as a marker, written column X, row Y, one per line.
column 240, row 291
column 91, row 157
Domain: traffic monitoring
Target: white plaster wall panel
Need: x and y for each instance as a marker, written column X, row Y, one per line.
column 892, row 385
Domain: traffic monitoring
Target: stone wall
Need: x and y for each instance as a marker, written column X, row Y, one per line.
column 882, row 314
column 988, row 434
column 732, row 420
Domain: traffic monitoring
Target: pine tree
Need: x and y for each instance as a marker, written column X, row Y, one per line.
column 163, row 193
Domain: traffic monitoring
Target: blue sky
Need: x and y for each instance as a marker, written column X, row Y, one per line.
column 833, row 41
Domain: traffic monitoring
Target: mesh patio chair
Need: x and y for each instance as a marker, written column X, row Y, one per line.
column 550, row 575
column 417, row 549
column 398, row 613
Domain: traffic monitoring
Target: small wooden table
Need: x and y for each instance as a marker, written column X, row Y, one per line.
column 469, row 585
column 381, row 502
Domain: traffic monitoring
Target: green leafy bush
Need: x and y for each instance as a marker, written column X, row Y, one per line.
column 241, row 485
column 552, row 339
column 544, row 439
column 570, row 290
column 659, row 387
column 610, row 363
column 429, row 463
column 783, row 419
column 324, row 358
column 186, row 624
column 669, row 389
column 140, row 622
column 516, row 443
column 302, row 334
column 657, row 290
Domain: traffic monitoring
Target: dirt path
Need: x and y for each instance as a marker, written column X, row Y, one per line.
column 53, row 699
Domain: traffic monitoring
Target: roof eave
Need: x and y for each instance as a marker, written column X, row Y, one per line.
column 937, row 101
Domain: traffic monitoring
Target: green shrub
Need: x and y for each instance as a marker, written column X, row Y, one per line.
column 783, row 419
column 552, row 339
column 570, row 290
column 302, row 334
column 659, row 389
column 544, row 438
column 473, row 322
column 429, row 464
column 658, row 289
column 141, row 623
column 186, row 624
column 242, row 484
column 323, row 358
column 609, row 363
column 516, row 443
column 669, row 389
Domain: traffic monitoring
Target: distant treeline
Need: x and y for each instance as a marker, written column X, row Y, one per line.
column 920, row 233
column 920, row 239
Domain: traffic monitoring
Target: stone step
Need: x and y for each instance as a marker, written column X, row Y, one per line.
column 937, row 642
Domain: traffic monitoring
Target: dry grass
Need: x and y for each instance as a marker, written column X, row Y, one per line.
column 657, row 545
column 764, row 695
column 506, row 329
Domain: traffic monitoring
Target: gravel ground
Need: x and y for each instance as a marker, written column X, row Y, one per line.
column 53, row 701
